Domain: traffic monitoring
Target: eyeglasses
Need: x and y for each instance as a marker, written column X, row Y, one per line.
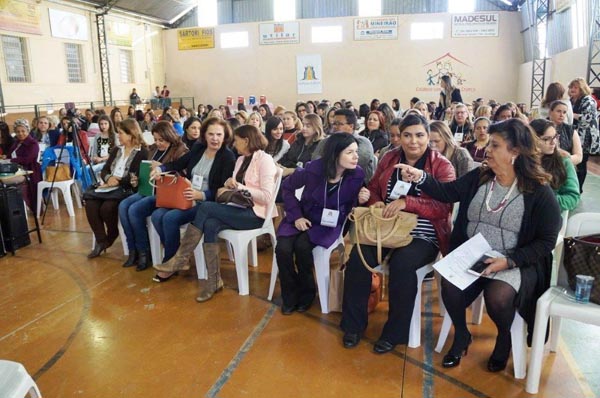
column 548, row 140
column 338, row 124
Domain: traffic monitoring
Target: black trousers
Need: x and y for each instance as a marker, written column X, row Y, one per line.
column 295, row 263
column 581, row 170
column 403, row 266
column 103, row 216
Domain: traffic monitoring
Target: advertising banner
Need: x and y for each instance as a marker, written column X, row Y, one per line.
column 309, row 74
column 195, row 38
column 475, row 25
column 376, row 28
column 279, row 33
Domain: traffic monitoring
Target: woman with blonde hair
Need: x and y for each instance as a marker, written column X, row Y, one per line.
column 291, row 126
column 241, row 116
column 120, row 171
column 255, row 119
column 448, row 95
column 585, row 121
column 306, row 142
column 440, row 139
column 483, row 111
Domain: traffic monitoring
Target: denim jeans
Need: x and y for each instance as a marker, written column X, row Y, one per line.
column 211, row 218
column 167, row 223
column 132, row 214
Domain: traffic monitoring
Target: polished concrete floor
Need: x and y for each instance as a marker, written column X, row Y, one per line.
column 90, row 328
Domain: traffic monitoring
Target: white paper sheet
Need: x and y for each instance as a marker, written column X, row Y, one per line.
column 454, row 266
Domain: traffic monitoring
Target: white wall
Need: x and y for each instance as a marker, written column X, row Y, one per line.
column 49, row 80
column 355, row 70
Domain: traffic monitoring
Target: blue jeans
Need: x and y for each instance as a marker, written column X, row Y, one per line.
column 132, row 214
column 167, row 223
column 211, row 218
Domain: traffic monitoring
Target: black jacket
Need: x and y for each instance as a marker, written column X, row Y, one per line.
column 537, row 236
column 298, row 153
column 220, row 171
column 378, row 138
column 455, row 97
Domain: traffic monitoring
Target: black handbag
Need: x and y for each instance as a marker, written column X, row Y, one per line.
column 120, row 193
column 582, row 257
column 237, row 198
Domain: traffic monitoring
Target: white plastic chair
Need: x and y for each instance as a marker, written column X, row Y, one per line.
column 240, row 239
column 321, row 257
column 555, row 304
column 15, row 382
column 558, row 249
column 65, row 188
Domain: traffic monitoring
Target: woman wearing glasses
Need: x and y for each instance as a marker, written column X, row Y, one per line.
column 569, row 143
column 558, row 164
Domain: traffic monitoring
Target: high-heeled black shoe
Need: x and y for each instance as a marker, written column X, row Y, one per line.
column 132, row 259
column 97, row 250
column 160, row 279
column 143, row 261
column 451, row 360
column 494, row 365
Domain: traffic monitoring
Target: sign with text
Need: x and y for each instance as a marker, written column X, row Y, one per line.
column 195, row 38
column 376, row 28
column 20, row 16
column 309, row 74
column 119, row 34
column 279, row 33
column 475, row 25
column 68, row 25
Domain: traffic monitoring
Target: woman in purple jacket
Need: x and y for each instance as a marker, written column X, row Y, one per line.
column 332, row 185
column 25, row 151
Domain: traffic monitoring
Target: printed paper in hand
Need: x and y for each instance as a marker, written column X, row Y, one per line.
column 455, row 265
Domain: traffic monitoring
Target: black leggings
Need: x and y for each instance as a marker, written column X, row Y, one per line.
column 500, row 303
column 582, row 171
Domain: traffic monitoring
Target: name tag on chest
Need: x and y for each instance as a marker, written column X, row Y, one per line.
column 103, row 150
column 197, row 182
column 400, row 189
column 329, row 217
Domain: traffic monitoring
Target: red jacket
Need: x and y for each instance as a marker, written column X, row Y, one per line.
column 438, row 213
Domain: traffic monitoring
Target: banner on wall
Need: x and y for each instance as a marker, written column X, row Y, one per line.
column 195, row 38
column 20, row 16
column 119, row 34
column 475, row 25
column 309, row 74
column 279, row 33
column 376, row 28
column 68, row 25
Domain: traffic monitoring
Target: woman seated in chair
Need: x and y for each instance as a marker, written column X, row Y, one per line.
column 102, row 143
column 134, row 209
column 332, row 185
column 208, row 165
column 430, row 236
column 440, row 139
column 25, row 151
column 255, row 173
column 511, row 204
column 558, row 164
column 121, row 170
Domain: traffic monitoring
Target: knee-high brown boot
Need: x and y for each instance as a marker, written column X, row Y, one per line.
column 214, row 283
column 180, row 261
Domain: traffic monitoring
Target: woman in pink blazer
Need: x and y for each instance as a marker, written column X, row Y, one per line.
column 254, row 172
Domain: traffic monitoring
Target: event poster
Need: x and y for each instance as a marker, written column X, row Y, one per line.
column 279, row 33
column 195, row 38
column 309, row 74
column 20, row 16
column 376, row 28
column 119, row 34
column 68, row 25
column 475, row 25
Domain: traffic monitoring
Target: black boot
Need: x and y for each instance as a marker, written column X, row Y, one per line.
column 132, row 259
column 143, row 261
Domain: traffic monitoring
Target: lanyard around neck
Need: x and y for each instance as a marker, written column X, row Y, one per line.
column 338, row 193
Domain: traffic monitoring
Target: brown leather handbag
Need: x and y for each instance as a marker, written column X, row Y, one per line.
column 369, row 227
column 62, row 171
column 169, row 192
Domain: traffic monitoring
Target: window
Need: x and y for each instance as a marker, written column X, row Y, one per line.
column 369, row 8
column 126, row 66
column 579, row 23
column 74, row 63
column 16, row 59
column 426, row 30
column 284, row 10
column 461, row 6
column 207, row 13
column 234, row 39
column 326, row 34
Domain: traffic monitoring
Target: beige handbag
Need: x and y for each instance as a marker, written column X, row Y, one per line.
column 369, row 227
